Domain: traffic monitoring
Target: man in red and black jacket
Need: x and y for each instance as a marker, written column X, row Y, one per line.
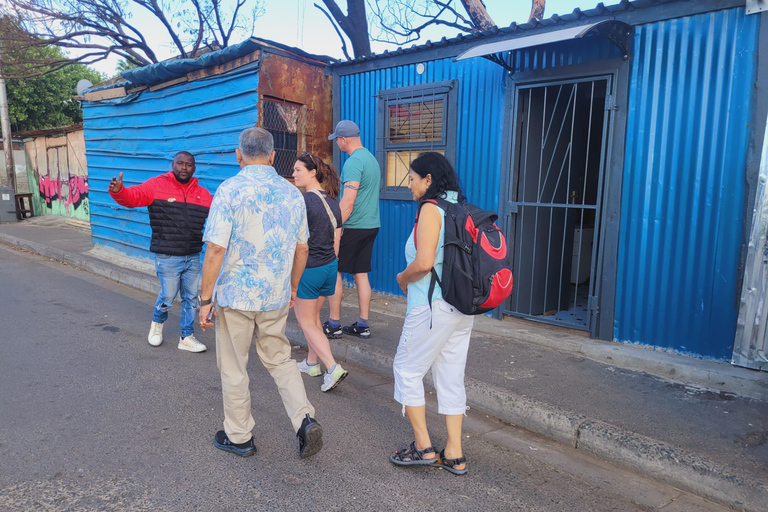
column 177, row 207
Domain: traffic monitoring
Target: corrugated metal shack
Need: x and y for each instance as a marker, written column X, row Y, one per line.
column 620, row 146
column 57, row 171
column 135, row 126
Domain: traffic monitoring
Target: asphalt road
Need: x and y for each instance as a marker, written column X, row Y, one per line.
column 94, row 418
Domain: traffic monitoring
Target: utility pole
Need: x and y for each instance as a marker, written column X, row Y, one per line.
column 5, row 120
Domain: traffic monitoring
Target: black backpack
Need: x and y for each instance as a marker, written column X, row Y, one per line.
column 477, row 275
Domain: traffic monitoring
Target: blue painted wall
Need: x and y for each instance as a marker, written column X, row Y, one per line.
column 481, row 104
column 478, row 149
column 683, row 190
column 140, row 138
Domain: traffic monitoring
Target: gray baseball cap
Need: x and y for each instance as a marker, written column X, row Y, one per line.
column 345, row 129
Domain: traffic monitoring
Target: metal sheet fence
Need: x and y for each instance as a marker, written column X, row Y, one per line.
column 140, row 138
column 683, row 190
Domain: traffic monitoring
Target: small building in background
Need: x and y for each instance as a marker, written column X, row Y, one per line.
column 136, row 126
column 56, row 171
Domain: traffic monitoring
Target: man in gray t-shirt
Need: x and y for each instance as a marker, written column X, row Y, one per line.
column 361, row 180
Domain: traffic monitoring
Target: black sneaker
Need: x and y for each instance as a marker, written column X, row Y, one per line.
column 222, row 442
column 356, row 330
column 310, row 436
column 331, row 333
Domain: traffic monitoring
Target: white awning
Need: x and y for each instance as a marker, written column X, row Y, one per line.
column 610, row 28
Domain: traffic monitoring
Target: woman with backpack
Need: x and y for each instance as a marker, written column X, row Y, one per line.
column 321, row 187
column 435, row 334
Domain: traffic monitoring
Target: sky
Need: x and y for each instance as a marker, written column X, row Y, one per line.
column 299, row 23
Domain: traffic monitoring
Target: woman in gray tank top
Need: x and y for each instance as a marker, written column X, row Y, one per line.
column 321, row 187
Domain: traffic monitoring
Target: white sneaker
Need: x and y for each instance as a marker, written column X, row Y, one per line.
column 155, row 337
column 190, row 344
column 313, row 370
column 332, row 379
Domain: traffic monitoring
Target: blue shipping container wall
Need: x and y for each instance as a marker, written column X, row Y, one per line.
column 140, row 138
column 683, row 189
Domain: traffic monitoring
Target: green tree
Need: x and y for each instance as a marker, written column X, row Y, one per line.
column 47, row 101
column 124, row 65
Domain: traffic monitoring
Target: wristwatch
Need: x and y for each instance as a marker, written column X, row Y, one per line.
column 204, row 302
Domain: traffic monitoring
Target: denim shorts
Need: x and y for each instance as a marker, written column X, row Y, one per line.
column 318, row 281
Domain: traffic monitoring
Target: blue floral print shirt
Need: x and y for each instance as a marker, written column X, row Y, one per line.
column 259, row 217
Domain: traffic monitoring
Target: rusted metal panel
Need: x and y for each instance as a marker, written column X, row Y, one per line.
column 303, row 83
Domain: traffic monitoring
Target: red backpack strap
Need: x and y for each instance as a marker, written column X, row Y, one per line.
column 416, row 223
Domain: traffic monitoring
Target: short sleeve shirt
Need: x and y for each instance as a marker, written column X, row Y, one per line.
column 259, row 217
column 321, row 230
column 362, row 166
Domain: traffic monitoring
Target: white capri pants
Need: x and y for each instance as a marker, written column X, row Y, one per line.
column 443, row 347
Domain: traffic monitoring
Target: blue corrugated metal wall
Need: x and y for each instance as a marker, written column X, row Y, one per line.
column 478, row 145
column 683, row 190
column 478, row 141
column 140, row 138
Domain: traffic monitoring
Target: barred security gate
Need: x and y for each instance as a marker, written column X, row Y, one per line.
column 291, row 125
column 559, row 156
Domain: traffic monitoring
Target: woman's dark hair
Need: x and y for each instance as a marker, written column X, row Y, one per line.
column 443, row 176
column 325, row 174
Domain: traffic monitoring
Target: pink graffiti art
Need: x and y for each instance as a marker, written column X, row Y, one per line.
column 71, row 192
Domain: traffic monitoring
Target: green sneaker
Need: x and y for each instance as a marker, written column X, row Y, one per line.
column 332, row 379
column 313, row 370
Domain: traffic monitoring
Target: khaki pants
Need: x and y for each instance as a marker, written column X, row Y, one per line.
column 234, row 334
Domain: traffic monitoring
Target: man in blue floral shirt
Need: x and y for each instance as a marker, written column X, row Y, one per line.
column 257, row 250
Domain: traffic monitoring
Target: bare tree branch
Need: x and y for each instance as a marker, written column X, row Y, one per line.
column 478, row 14
column 402, row 21
column 105, row 25
column 336, row 28
column 537, row 10
column 354, row 24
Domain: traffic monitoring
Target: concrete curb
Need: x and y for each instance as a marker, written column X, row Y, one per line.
column 137, row 280
column 658, row 460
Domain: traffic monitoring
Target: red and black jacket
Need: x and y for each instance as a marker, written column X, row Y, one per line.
column 177, row 212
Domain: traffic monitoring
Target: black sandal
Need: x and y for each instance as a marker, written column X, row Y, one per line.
column 412, row 456
column 449, row 464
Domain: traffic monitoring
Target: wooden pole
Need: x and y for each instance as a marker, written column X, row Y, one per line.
column 5, row 121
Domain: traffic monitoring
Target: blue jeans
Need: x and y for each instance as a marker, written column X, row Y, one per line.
column 178, row 274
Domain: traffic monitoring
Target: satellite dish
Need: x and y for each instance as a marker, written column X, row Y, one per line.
column 82, row 85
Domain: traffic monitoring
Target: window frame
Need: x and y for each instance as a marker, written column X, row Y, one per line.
column 301, row 125
column 446, row 90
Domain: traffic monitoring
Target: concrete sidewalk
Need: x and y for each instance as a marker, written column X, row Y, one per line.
column 701, row 426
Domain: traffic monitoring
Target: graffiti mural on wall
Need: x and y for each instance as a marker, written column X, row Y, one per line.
column 71, row 192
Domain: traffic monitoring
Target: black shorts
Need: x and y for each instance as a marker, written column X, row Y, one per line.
column 356, row 249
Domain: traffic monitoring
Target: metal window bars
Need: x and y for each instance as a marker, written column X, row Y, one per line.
column 415, row 122
column 290, row 124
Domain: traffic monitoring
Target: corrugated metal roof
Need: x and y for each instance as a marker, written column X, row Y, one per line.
column 176, row 68
column 578, row 16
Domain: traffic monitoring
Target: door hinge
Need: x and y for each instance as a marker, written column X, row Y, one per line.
column 610, row 103
column 592, row 303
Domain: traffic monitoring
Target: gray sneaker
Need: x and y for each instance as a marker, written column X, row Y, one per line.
column 313, row 370
column 332, row 379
